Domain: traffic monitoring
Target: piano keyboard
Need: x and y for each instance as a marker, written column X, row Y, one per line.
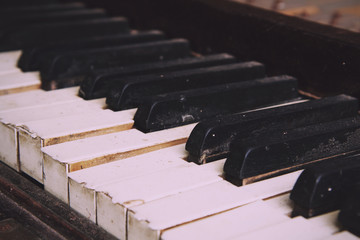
column 138, row 184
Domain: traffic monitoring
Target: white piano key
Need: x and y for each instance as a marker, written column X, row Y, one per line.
column 150, row 187
column 83, row 184
column 61, row 159
column 148, row 220
column 8, row 62
column 68, row 128
column 38, row 97
column 240, row 220
column 19, row 82
column 46, row 132
column 319, row 227
column 10, row 121
column 282, row 202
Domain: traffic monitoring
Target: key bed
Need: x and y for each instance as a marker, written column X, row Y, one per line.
column 139, row 205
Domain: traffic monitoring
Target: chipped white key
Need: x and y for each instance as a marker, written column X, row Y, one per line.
column 114, row 199
column 10, row 121
column 19, row 82
column 8, row 62
column 38, row 98
column 148, row 220
column 46, row 132
column 322, row 226
column 83, row 184
column 240, row 220
column 67, row 157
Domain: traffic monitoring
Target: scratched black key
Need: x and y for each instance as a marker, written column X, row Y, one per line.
column 97, row 84
column 130, row 92
column 31, row 57
column 210, row 140
column 349, row 216
column 36, row 35
column 256, row 158
column 179, row 108
column 48, row 17
column 323, row 187
column 68, row 68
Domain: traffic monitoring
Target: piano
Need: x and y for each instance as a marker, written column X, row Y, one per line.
column 73, row 168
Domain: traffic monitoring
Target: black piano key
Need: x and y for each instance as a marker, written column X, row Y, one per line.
column 256, row 158
column 17, row 3
column 97, row 84
column 14, row 10
column 36, row 35
column 68, row 68
column 180, row 108
column 129, row 93
column 31, row 57
column 48, row 17
column 349, row 216
column 322, row 188
column 210, row 140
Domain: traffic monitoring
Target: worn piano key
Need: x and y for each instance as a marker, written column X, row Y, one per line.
column 38, row 34
column 128, row 93
column 11, row 120
column 149, row 220
column 98, row 83
column 298, row 228
column 210, row 139
column 350, row 210
column 31, row 57
column 323, row 187
column 49, row 17
column 147, row 188
column 84, row 184
column 34, row 135
column 68, row 65
column 179, row 108
column 68, row 128
column 258, row 157
column 37, row 97
column 61, row 159
column 19, row 82
column 250, row 217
